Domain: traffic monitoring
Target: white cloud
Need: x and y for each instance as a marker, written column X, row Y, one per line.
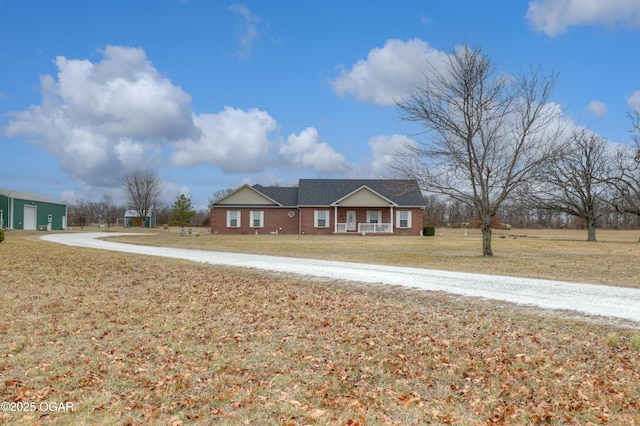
column 184, row 189
column 308, row 151
column 554, row 17
column 597, row 108
column 172, row 190
column 384, row 151
column 388, row 73
column 123, row 95
column 234, row 140
column 248, row 32
column 106, row 118
column 103, row 119
column 634, row 101
column 68, row 196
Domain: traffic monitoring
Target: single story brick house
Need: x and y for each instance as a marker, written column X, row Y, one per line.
column 322, row 206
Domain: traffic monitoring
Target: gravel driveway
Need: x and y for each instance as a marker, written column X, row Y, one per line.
column 604, row 301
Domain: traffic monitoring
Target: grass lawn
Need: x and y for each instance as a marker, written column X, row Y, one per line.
column 139, row 340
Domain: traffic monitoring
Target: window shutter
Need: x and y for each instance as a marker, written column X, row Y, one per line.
column 233, row 219
column 257, row 218
column 403, row 219
column 321, row 218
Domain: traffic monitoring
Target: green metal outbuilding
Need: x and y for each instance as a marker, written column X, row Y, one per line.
column 132, row 218
column 24, row 210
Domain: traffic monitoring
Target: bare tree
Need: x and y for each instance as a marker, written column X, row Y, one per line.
column 488, row 132
column 143, row 191
column 625, row 177
column 626, row 180
column 108, row 212
column 163, row 213
column 635, row 126
column 576, row 182
column 81, row 213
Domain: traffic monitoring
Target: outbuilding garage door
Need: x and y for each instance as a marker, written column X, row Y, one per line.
column 30, row 214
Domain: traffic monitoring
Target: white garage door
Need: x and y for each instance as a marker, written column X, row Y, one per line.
column 30, row 214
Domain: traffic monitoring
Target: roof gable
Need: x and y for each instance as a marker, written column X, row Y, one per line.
column 364, row 196
column 246, row 195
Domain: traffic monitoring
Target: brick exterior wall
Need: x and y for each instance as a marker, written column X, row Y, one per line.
column 275, row 219
column 303, row 219
column 307, row 220
column 417, row 222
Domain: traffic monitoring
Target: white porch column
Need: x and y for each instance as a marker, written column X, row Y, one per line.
column 393, row 220
column 335, row 219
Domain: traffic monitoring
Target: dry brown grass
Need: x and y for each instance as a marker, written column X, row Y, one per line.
column 141, row 340
column 551, row 254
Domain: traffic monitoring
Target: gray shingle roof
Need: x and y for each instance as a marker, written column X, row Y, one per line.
column 324, row 192
column 286, row 196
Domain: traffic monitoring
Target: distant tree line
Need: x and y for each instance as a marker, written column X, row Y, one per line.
column 442, row 211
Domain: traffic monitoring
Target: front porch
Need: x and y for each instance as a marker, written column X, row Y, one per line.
column 364, row 228
column 363, row 220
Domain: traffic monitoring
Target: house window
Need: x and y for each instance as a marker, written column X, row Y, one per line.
column 374, row 216
column 403, row 219
column 321, row 218
column 257, row 219
column 233, row 218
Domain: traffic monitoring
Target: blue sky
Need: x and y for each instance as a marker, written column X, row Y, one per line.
column 212, row 94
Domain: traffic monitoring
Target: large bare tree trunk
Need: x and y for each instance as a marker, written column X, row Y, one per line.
column 486, row 235
column 591, row 230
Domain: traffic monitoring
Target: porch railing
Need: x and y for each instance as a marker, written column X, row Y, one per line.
column 341, row 227
column 374, row 228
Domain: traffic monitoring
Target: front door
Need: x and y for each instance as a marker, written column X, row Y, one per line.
column 351, row 220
